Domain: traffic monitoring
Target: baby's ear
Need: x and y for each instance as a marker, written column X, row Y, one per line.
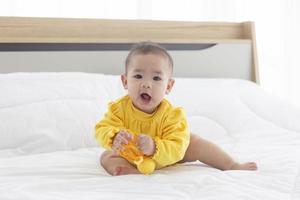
column 170, row 85
column 124, row 81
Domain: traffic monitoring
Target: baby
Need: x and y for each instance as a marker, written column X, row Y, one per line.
column 161, row 129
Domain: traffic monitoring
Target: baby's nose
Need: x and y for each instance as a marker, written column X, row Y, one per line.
column 146, row 84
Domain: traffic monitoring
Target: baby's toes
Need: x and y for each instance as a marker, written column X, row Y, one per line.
column 252, row 166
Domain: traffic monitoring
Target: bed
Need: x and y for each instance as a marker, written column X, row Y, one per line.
column 57, row 76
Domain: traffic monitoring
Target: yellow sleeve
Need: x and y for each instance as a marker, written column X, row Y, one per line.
column 171, row 147
column 112, row 123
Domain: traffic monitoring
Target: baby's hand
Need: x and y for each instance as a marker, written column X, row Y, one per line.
column 146, row 144
column 120, row 139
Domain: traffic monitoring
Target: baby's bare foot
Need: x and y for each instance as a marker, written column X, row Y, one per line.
column 124, row 171
column 244, row 166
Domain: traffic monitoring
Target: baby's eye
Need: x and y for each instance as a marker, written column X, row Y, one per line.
column 138, row 76
column 156, row 78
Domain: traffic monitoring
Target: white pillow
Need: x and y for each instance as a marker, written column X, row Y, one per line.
column 42, row 112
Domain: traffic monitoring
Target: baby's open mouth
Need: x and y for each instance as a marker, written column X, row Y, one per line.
column 145, row 97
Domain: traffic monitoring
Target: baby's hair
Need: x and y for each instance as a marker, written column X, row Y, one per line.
column 148, row 47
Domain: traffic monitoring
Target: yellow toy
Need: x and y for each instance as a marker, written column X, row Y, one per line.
column 131, row 153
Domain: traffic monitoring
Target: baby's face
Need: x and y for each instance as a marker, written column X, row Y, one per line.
column 148, row 79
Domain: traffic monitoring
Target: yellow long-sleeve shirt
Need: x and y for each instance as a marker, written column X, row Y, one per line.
column 167, row 126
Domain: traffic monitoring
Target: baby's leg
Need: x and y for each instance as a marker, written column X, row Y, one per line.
column 210, row 154
column 116, row 165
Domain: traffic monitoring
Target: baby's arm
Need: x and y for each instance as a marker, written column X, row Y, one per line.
column 174, row 140
column 107, row 129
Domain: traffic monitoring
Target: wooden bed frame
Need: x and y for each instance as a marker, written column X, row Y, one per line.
column 60, row 34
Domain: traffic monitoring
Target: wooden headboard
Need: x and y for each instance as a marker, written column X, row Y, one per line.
column 199, row 49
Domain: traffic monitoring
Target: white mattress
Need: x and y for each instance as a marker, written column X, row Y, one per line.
column 47, row 149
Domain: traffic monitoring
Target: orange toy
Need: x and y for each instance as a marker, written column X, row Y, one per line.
column 131, row 153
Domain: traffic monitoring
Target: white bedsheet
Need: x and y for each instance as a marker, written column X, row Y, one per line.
column 47, row 150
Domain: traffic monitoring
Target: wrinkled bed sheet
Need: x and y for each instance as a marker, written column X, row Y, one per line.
column 47, row 149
